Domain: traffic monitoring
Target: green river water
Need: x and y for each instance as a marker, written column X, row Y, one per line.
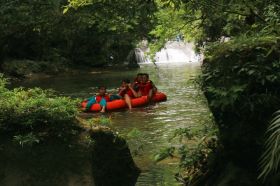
column 185, row 107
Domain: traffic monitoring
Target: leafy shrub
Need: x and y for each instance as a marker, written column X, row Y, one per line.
column 35, row 110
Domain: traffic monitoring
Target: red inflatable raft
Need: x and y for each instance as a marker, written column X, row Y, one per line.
column 120, row 103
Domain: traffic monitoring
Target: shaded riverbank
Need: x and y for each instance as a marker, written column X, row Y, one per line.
column 18, row 70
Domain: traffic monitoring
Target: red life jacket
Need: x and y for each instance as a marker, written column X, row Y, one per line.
column 122, row 92
column 98, row 98
column 146, row 87
column 128, row 92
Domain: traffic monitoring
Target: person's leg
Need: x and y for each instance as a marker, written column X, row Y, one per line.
column 103, row 104
column 115, row 97
column 139, row 94
column 127, row 101
column 150, row 96
column 103, row 109
column 90, row 102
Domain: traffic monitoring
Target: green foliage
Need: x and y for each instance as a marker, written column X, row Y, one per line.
column 196, row 144
column 81, row 32
column 134, row 133
column 170, row 21
column 135, row 138
column 183, row 133
column 3, row 83
column 33, row 114
column 93, row 31
column 241, row 80
column 28, row 139
column 229, row 18
column 225, row 97
column 105, row 121
column 98, row 121
column 208, row 21
column 165, row 153
column 89, row 141
column 270, row 159
column 23, row 68
column 241, row 67
column 31, row 24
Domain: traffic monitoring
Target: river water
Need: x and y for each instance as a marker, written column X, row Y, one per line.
column 155, row 124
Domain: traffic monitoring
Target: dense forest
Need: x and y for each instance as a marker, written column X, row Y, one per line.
column 240, row 41
column 97, row 33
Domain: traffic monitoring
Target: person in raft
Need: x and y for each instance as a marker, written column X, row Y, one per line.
column 147, row 87
column 137, row 83
column 127, row 92
column 102, row 98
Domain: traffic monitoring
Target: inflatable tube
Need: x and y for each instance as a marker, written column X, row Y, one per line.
column 120, row 103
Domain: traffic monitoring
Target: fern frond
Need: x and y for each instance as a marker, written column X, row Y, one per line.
column 270, row 159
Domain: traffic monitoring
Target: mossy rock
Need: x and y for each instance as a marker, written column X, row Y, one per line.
column 241, row 81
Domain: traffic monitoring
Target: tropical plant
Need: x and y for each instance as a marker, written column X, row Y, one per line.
column 270, row 159
column 28, row 139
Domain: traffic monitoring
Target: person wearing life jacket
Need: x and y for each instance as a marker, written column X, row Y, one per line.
column 147, row 88
column 139, row 78
column 102, row 98
column 138, row 83
column 127, row 92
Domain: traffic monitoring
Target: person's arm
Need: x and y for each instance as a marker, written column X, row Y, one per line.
column 133, row 91
column 121, row 90
column 90, row 102
column 154, row 87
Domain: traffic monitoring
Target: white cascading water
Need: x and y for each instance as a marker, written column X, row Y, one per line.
column 173, row 51
column 140, row 56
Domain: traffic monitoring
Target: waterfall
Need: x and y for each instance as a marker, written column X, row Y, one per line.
column 173, row 51
column 140, row 56
column 177, row 51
